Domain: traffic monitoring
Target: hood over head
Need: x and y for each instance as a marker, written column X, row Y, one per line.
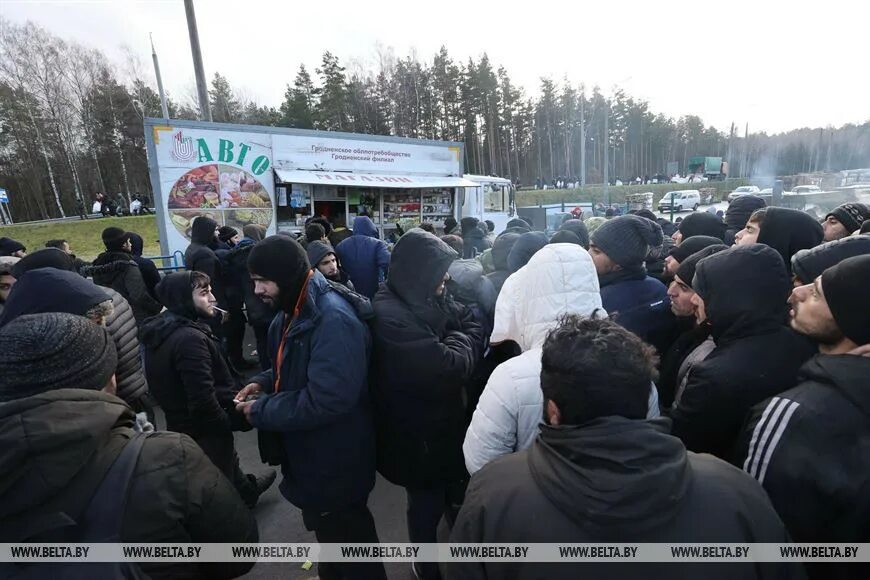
column 202, row 230
column 559, row 279
column 566, row 237
column 45, row 258
column 808, row 264
column 254, row 232
column 501, row 248
column 468, row 224
column 175, row 292
column 614, row 475
column 524, row 248
column 418, row 264
column 8, row 246
column 137, row 244
column 691, row 245
column 702, row 224
column 317, row 250
column 740, row 209
column 519, row 222
column 578, row 228
column 686, row 269
column 789, row 230
column 48, row 439
column 51, row 290
column 744, row 289
column 364, row 226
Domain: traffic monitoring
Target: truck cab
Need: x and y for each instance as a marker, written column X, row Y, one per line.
column 492, row 199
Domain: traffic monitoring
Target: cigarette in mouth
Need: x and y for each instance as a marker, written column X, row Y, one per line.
column 221, row 310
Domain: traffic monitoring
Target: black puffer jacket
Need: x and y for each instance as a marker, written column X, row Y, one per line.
column 57, row 447
column 426, row 350
column 789, row 230
column 615, row 480
column 118, row 271
column 810, row 447
column 756, row 356
column 130, row 375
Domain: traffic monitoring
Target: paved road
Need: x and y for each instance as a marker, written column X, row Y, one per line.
column 280, row 521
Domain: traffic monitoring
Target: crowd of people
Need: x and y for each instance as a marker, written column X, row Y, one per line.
column 624, row 380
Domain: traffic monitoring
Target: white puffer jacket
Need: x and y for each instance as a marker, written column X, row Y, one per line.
column 559, row 279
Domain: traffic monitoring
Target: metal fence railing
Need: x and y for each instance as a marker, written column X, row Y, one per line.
column 171, row 263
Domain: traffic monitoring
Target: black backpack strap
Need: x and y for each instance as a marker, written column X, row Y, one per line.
column 101, row 520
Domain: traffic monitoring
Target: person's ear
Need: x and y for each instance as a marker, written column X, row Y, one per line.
column 554, row 415
column 111, row 387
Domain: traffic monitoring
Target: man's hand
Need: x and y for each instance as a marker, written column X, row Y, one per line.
column 245, row 409
column 863, row 350
column 250, row 389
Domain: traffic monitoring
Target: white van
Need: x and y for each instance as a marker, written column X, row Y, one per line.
column 687, row 199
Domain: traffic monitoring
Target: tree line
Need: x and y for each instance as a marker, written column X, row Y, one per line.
column 71, row 122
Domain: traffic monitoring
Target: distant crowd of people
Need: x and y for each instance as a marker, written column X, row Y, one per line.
column 626, row 379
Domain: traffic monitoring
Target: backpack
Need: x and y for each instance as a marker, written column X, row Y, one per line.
column 99, row 523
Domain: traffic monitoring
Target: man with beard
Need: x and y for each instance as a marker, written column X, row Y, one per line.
column 191, row 379
column 756, row 355
column 427, row 348
column 785, row 230
column 322, row 256
column 845, row 220
column 695, row 343
column 200, row 256
column 808, row 446
column 312, row 407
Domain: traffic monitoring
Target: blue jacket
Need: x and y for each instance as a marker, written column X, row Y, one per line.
column 641, row 306
column 364, row 257
column 322, row 408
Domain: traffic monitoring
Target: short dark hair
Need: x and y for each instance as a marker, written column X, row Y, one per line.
column 314, row 232
column 758, row 216
column 427, row 227
column 55, row 244
column 199, row 280
column 454, row 242
column 594, row 368
column 490, row 225
column 327, row 227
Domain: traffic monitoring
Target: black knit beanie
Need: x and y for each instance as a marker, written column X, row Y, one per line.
column 578, row 228
column 467, row 224
column 565, row 237
column 845, row 288
column 114, row 238
column 8, row 246
column 627, row 239
column 226, row 233
column 808, row 264
column 283, row 261
column 45, row 352
column 851, row 215
column 702, row 224
column 202, row 230
column 686, row 269
column 691, row 245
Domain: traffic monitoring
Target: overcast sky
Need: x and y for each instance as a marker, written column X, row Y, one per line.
column 776, row 65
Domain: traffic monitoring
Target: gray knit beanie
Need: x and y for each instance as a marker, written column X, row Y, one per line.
column 45, row 352
column 627, row 239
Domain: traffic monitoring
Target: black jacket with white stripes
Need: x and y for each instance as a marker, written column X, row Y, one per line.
column 810, row 448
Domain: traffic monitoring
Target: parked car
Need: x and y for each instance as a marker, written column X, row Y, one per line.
column 743, row 190
column 804, row 189
column 687, row 199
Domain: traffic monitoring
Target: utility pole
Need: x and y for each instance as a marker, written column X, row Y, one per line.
column 582, row 140
column 201, row 88
column 607, row 151
column 163, row 105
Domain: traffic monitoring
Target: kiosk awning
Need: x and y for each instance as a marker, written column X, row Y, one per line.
column 369, row 180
